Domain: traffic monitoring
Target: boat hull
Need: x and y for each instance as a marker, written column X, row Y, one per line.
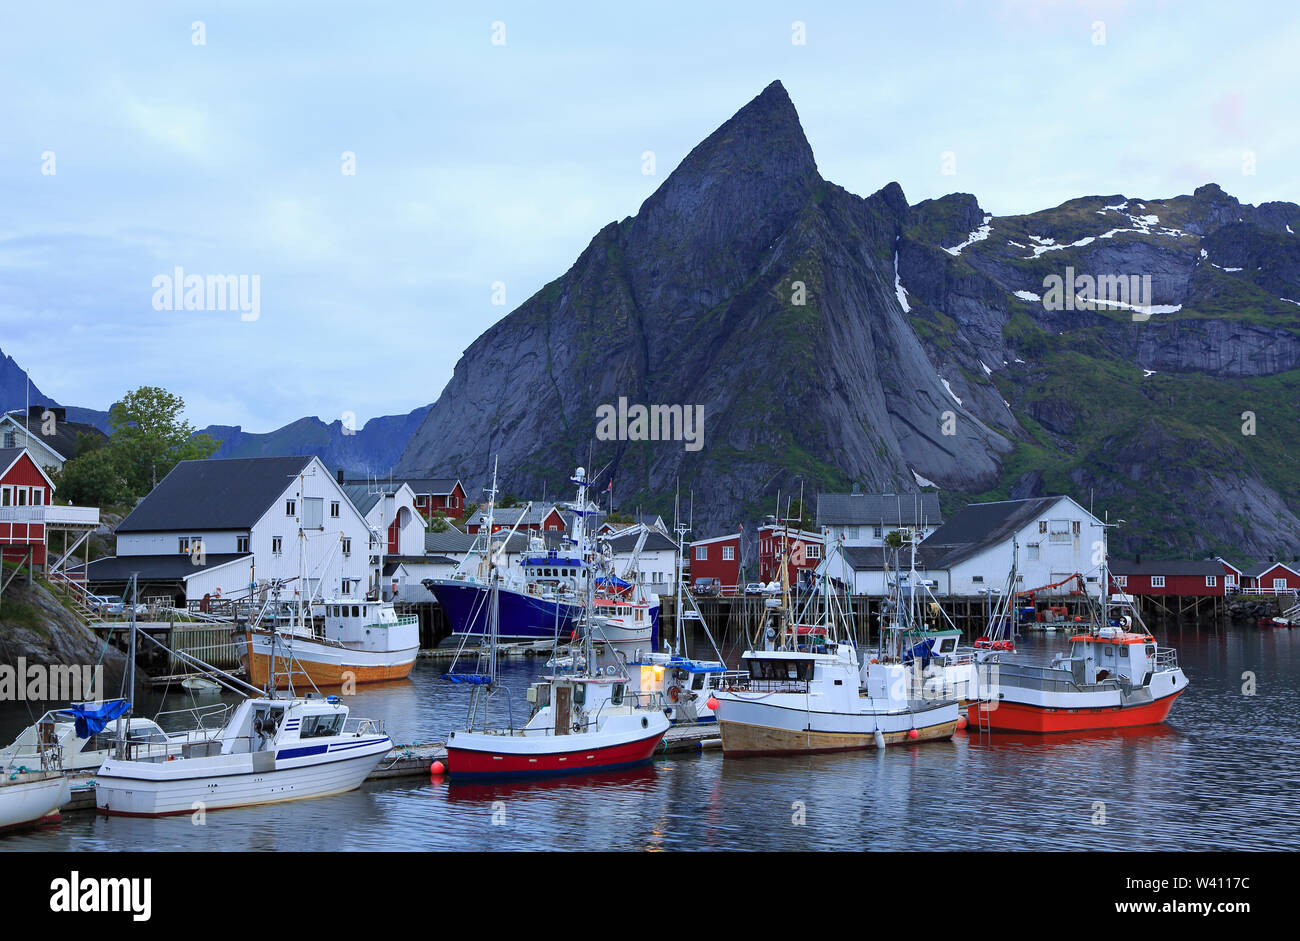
column 325, row 664
column 770, row 726
column 1011, row 716
column 28, row 803
column 162, row 789
column 523, row 616
column 472, row 756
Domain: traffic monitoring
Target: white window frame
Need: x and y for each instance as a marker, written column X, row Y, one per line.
column 813, row 551
column 334, row 509
column 290, row 507
column 701, row 553
column 1157, row 581
column 728, row 553
column 1211, row 581
column 1121, row 581
column 7, row 495
column 277, row 545
column 1279, row 584
column 347, row 546
column 242, row 543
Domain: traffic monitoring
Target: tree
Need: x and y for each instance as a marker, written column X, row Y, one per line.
column 93, row 478
column 149, row 437
column 438, row 522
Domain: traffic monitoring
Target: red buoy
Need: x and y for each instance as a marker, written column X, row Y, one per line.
column 712, row 703
column 961, row 722
column 437, row 769
column 912, row 733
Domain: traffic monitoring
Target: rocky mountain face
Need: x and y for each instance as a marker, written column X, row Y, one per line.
column 833, row 339
column 15, row 390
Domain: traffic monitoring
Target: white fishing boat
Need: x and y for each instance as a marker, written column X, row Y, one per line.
column 581, row 722
column 806, row 692
column 270, row 750
column 28, row 798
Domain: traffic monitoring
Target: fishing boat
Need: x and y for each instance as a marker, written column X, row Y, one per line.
column 1114, row 675
column 270, row 750
column 806, row 691
column 544, row 593
column 29, row 797
column 582, row 721
column 360, row 642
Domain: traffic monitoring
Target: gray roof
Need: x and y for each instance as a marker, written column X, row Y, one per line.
column 980, row 526
column 654, row 540
column 866, row 558
column 436, row 486
column 233, row 493
column 1255, row 571
column 363, row 496
column 168, row 568
column 8, row 456
column 452, row 540
column 508, row 516
column 1165, row 567
column 65, row 437
column 878, row 509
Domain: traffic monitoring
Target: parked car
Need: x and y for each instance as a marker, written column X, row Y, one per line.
column 707, row 587
column 113, row 605
column 754, row 588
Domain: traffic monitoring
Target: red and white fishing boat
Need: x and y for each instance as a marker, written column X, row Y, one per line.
column 584, row 721
column 1111, row 677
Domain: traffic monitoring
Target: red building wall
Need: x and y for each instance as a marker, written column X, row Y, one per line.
column 1185, row 585
column 726, row 571
column 769, row 546
column 15, row 537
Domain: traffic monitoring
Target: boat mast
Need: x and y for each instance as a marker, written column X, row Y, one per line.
column 130, row 670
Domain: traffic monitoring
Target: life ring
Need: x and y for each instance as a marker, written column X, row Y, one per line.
column 674, row 693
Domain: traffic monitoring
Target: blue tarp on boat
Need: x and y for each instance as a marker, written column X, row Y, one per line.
column 474, row 679
column 93, row 717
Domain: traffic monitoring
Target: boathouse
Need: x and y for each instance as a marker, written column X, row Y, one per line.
column 1204, row 579
column 804, row 548
column 1271, row 578
column 212, row 526
column 443, row 495
column 866, row 519
column 716, row 558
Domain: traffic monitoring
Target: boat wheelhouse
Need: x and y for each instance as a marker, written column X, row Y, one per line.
column 359, row 641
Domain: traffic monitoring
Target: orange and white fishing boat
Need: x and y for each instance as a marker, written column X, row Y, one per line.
column 1111, row 677
column 361, row 642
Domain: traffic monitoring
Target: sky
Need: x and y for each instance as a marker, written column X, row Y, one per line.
column 489, row 146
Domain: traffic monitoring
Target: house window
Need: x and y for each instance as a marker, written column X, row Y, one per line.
column 1157, row 581
column 277, row 543
column 1211, row 581
column 728, row 553
column 334, row 509
column 1279, row 584
column 1078, row 527
column 1121, row 581
column 183, row 544
column 977, row 579
column 22, row 496
column 11, row 440
column 701, row 553
column 347, row 546
column 850, row 532
column 6, row 496
column 1230, row 580
column 1060, row 531
column 241, row 543
column 345, row 588
column 814, row 552
column 313, row 512
column 1042, row 526
column 878, row 531
column 290, row 507
column 38, row 496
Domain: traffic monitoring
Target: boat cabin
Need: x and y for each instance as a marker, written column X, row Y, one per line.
column 368, row 624
column 1109, row 653
column 564, row 704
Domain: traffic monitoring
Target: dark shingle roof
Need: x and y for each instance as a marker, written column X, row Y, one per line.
column 363, row 496
column 1255, row 571
column 434, row 486
column 157, row 567
column 453, row 540
column 64, row 440
column 885, row 509
column 981, row 525
column 866, row 558
column 205, row 495
column 654, row 540
column 1165, row 567
column 8, row 456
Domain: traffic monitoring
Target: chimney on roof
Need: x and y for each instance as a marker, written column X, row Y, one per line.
column 1270, row 560
column 1137, row 559
column 339, row 475
column 37, row 413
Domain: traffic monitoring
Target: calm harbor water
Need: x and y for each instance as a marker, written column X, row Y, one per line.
column 1220, row 775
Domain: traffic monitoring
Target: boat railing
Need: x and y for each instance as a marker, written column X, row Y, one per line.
column 747, row 683
column 45, row 759
column 1041, row 678
column 209, row 718
column 1166, row 659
